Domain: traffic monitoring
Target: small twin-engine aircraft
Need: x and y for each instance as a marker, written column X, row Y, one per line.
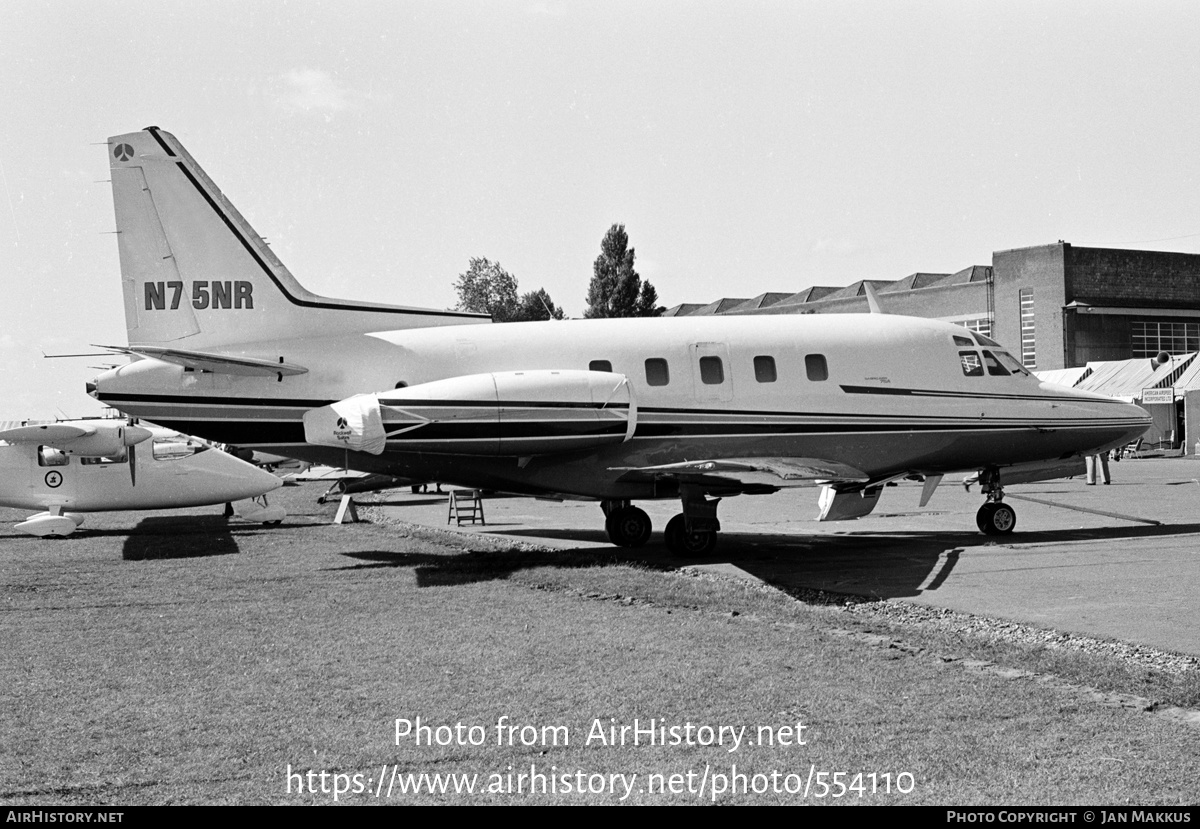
column 226, row 344
column 80, row 466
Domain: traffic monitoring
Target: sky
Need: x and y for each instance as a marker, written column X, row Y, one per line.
column 748, row 147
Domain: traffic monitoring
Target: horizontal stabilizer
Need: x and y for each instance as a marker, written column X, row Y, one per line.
column 216, row 363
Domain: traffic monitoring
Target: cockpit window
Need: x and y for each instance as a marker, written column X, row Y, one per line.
column 171, row 449
column 1010, row 362
column 961, row 341
column 993, row 365
column 972, row 366
column 986, row 340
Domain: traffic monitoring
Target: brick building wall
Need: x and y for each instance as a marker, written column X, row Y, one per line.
column 1039, row 269
column 1132, row 278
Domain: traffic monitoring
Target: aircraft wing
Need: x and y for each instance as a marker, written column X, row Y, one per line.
column 216, row 363
column 764, row 474
column 49, row 433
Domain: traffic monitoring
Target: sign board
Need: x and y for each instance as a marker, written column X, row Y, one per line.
column 1158, row 395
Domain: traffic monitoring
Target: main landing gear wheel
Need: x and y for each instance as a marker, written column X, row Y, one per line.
column 995, row 518
column 628, row 527
column 684, row 543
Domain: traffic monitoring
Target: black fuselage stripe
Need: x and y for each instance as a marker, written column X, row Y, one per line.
column 972, row 395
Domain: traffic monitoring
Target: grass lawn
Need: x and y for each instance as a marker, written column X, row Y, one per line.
column 177, row 659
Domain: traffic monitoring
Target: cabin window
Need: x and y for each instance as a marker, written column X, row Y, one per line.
column 764, row 369
column 122, row 458
column 972, row 366
column 171, row 450
column 401, row 385
column 816, row 367
column 600, row 365
column 712, row 373
column 49, row 456
column 993, row 365
column 657, row 373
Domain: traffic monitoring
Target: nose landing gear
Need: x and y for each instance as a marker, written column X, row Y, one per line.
column 995, row 517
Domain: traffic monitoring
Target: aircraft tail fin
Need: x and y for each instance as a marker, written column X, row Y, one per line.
column 195, row 274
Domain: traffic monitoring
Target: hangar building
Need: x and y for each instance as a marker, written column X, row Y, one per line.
column 1057, row 306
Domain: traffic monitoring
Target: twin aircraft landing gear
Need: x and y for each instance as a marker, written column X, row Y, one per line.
column 995, row 517
column 691, row 533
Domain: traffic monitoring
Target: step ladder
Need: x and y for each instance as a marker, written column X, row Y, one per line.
column 466, row 505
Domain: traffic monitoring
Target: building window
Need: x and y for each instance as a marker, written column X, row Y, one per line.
column 657, row 373
column 1149, row 338
column 764, row 369
column 1028, row 349
column 980, row 325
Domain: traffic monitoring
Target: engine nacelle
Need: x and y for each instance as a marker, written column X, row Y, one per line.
column 100, row 439
column 504, row 413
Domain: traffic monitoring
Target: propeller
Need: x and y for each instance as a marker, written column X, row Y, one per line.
column 133, row 435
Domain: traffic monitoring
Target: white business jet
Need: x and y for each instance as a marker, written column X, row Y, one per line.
column 79, row 466
column 226, row 344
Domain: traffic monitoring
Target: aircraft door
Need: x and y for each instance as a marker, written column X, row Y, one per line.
column 54, row 476
column 712, row 376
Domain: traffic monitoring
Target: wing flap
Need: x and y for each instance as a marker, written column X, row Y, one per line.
column 773, row 472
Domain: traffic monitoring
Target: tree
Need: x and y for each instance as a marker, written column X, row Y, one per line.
column 537, row 305
column 616, row 289
column 486, row 288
